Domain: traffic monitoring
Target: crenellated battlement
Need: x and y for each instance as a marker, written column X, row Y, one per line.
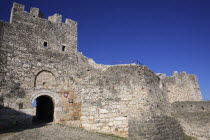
column 19, row 9
column 36, row 13
column 175, row 73
column 43, row 34
column 181, row 87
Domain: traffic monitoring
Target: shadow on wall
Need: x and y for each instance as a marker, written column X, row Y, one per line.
column 14, row 121
column 156, row 127
column 194, row 117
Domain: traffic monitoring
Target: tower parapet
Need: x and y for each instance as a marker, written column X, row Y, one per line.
column 48, row 34
column 36, row 13
column 55, row 18
column 182, row 87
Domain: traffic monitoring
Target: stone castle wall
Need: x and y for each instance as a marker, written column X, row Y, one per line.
column 25, row 59
column 193, row 117
column 120, row 94
column 39, row 57
column 182, row 87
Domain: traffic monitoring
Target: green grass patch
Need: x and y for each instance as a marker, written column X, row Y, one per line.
column 190, row 138
column 113, row 136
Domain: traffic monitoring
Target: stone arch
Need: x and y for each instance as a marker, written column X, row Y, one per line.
column 44, row 93
column 35, row 73
column 45, row 80
column 52, row 95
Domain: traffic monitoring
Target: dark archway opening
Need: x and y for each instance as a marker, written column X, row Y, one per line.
column 44, row 109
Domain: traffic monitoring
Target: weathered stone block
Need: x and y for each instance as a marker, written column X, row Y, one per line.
column 103, row 111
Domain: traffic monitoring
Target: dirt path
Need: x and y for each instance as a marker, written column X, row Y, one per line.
column 55, row 132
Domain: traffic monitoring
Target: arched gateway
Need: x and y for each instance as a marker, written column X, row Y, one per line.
column 44, row 109
column 43, row 96
column 45, row 106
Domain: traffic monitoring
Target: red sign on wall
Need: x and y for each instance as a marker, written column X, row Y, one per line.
column 66, row 94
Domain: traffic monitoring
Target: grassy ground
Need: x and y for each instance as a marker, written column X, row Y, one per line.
column 190, row 138
column 113, row 136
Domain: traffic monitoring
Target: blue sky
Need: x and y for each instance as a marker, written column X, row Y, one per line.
column 165, row 35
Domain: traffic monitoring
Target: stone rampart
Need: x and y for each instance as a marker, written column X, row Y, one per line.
column 193, row 117
column 157, row 128
column 182, row 87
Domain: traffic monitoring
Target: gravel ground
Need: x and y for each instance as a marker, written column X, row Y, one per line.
column 56, row 132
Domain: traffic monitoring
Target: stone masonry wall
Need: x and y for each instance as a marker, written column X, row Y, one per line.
column 156, row 128
column 113, row 91
column 193, row 117
column 24, row 58
column 182, row 87
column 39, row 58
column 39, row 30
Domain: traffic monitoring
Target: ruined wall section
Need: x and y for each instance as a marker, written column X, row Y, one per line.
column 182, row 87
column 157, row 98
column 158, row 124
column 107, row 94
column 114, row 97
column 193, row 117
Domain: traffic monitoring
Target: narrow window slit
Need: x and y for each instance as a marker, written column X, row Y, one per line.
column 20, row 105
column 45, row 44
column 63, row 48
